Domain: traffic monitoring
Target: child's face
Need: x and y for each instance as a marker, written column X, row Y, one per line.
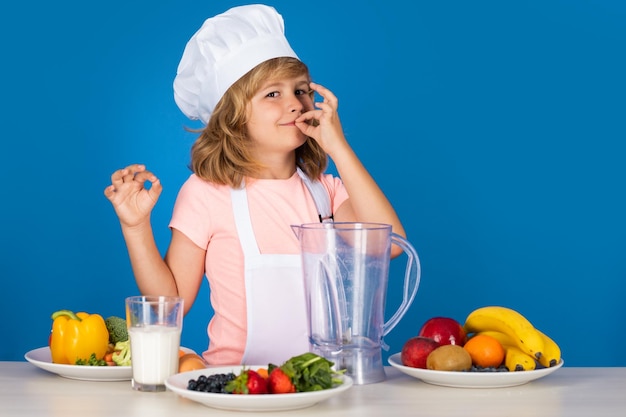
column 272, row 112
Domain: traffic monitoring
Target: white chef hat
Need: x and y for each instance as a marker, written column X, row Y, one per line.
column 224, row 49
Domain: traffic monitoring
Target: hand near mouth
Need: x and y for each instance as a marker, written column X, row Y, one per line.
column 322, row 124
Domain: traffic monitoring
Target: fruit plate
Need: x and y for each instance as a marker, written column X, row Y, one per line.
column 262, row 402
column 472, row 379
column 42, row 358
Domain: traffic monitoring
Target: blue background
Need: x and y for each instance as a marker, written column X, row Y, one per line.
column 496, row 129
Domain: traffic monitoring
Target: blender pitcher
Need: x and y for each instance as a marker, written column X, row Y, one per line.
column 346, row 268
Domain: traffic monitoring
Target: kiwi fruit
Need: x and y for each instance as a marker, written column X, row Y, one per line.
column 449, row 358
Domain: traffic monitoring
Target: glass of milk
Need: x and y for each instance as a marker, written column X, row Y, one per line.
column 154, row 327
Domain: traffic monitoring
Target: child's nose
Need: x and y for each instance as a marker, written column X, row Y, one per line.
column 295, row 105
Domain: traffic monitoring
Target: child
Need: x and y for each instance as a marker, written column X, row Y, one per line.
column 258, row 166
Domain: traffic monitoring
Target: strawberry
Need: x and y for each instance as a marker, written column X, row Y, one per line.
column 247, row 382
column 279, row 382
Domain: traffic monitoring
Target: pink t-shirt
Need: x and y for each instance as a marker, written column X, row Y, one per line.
column 204, row 213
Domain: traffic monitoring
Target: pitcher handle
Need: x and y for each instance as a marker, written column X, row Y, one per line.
column 412, row 277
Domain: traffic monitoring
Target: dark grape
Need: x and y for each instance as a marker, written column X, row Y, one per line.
column 476, row 368
column 213, row 383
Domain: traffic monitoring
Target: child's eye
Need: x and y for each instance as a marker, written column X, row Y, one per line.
column 303, row 92
column 272, row 94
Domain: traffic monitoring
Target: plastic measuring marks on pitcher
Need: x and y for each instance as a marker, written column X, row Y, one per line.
column 346, row 270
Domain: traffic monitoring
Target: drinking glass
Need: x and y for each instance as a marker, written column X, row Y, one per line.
column 154, row 327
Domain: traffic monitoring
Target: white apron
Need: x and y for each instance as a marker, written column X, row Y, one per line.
column 275, row 301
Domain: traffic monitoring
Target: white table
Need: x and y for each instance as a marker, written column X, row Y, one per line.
column 586, row 392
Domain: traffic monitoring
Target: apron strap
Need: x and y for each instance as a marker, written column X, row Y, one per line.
column 320, row 197
column 243, row 222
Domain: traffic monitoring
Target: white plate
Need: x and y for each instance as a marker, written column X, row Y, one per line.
column 472, row 379
column 42, row 358
column 262, row 402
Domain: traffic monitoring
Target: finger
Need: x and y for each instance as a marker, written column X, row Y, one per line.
column 319, row 88
column 109, row 192
column 135, row 168
column 306, row 129
column 144, row 176
column 117, row 178
column 119, row 174
column 326, row 94
column 155, row 189
column 309, row 116
column 129, row 170
column 325, row 107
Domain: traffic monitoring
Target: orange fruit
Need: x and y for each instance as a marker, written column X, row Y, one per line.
column 262, row 372
column 485, row 351
column 191, row 362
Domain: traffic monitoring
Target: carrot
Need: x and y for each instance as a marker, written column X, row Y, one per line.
column 108, row 357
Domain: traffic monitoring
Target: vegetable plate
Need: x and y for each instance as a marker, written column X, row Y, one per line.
column 42, row 358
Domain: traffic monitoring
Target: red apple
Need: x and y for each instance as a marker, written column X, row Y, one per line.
column 416, row 350
column 444, row 330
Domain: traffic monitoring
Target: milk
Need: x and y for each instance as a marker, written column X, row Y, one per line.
column 154, row 353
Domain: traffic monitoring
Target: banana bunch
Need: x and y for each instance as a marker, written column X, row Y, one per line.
column 525, row 345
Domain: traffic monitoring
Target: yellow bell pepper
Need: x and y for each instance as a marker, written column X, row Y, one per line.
column 77, row 336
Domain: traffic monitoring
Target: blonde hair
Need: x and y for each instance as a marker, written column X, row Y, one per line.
column 221, row 153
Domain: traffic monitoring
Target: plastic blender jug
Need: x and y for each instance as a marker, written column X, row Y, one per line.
column 346, row 269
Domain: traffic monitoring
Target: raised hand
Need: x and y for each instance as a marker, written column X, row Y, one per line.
column 323, row 124
column 132, row 200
